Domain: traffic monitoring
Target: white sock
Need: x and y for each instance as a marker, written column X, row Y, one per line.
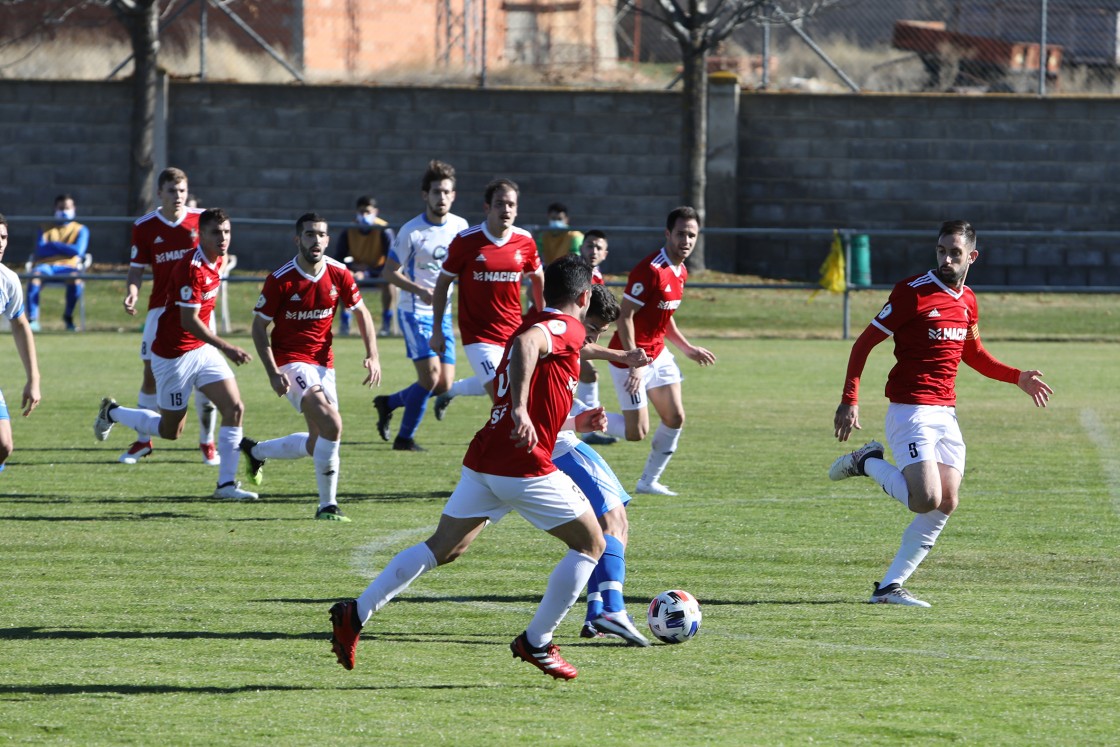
column 616, row 424
column 229, row 443
column 564, row 585
column 588, row 394
column 471, row 387
column 146, row 402
column 143, row 421
column 207, row 417
column 326, row 471
column 292, row 446
column 660, row 452
column 917, row 541
column 405, row 567
column 889, row 477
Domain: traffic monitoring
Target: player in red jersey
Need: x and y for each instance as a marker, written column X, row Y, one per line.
column 653, row 292
column 488, row 261
column 185, row 356
column 159, row 240
column 508, row 466
column 298, row 302
column 935, row 324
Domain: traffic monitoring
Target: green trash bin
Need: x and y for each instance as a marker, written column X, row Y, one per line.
column 861, row 260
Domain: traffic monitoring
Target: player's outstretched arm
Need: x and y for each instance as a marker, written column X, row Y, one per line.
column 25, row 346
column 188, row 317
column 262, row 342
column 525, row 350
column 1031, row 382
column 845, row 421
column 633, row 358
column 439, row 305
column 703, row 356
column 372, row 361
column 132, row 294
column 392, row 273
column 846, row 418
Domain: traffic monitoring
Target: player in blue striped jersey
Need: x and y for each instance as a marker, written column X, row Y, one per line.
column 413, row 266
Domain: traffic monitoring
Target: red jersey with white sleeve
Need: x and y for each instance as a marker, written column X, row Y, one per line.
column 489, row 273
column 194, row 282
column 160, row 243
column 934, row 327
column 657, row 286
column 551, row 391
column 301, row 308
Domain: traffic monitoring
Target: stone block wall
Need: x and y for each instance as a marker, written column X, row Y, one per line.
column 880, row 162
column 870, row 163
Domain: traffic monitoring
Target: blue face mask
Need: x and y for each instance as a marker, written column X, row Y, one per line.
column 65, row 215
column 365, row 219
column 557, row 224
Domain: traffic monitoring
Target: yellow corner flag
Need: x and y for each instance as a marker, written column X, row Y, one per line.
column 832, row 269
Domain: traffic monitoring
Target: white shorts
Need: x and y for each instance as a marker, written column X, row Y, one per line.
column 925, row 433
column 176, row 377
column 484, row 359
column 303, row 377
column 546, row 502
column 151, row 323
column 662, row 372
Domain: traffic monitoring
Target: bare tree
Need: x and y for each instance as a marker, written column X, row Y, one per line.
column 141, row 19
column 697, row 29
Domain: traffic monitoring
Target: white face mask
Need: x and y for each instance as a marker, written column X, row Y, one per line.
column 366, row 219
column 65, row 215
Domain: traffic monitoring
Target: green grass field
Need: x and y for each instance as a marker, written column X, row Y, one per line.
column 136, row 610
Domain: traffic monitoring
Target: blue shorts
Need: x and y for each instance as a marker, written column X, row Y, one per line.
column 4, row 408
column 597, row 481
column 417, row 332
column 54, row 271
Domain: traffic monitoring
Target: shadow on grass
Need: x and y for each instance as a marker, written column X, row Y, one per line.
column 62, row 634
column 266, row 498
column 66, row 689
column 111, row 517
column 411, row 636
column 535, row 599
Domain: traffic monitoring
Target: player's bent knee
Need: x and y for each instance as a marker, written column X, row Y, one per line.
column 922, row 504
column 233, row 412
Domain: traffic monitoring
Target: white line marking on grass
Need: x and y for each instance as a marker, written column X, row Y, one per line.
column 362, row 559
column 366, row 561
column 906, row 652
column 1110, row 463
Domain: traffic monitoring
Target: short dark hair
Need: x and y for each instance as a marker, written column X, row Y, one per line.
column 603, row 304
column 502, row 183
column 595, row 233
column 437, row 172
column 558, row 207
column 685, row 212
column 959, row 228
column 63, row 197
column 171, row 174
column 365, row 201
column 311, row 217
column 565, row 279
column 3, row 220
column 212, row 215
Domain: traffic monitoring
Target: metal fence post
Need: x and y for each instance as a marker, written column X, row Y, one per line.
column 1043, row 58
column 847, row 234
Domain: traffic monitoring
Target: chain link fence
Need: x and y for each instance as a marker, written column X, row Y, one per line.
column 982, row 46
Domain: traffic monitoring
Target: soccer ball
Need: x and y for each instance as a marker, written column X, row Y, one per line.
column 674, row 616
